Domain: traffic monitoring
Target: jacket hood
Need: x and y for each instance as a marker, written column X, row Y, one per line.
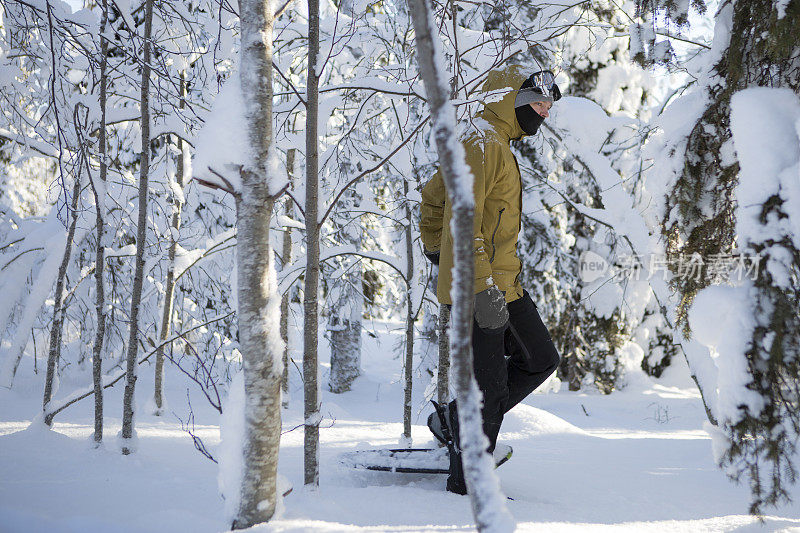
column 501, row 114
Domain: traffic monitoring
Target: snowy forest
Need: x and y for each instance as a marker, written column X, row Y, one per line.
column 213, row 285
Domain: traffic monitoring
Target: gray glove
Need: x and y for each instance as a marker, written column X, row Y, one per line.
column 490, row 308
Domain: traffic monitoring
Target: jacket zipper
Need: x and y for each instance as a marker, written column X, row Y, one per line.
column 516, row 278
column 499, row 216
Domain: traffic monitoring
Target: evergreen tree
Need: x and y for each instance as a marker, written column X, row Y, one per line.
column 705, row 215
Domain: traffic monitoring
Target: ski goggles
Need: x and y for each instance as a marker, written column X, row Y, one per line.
column 539, row 87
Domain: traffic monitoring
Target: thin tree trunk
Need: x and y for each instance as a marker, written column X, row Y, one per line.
column 141, row 237
column 573, row 371
column 344, row 323
column 443, row 371
column 99, row 269
column 344, row 327
column 259, row 303
column 169, row 289
column 457, row 57
column 571, row 354
column 488, row 503
column 291, row 154
column 54, row 353
column 310, row 333
column 429, row 330
column 409, row 359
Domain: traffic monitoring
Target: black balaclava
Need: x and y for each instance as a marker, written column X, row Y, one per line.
column 529, row 120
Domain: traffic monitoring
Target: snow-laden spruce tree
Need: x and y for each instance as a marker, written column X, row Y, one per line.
column 596, row 336
column 727, row 165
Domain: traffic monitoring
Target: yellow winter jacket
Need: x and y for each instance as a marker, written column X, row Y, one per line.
column 498, row 196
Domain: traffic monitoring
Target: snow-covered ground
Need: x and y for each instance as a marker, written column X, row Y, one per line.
column 637, row 460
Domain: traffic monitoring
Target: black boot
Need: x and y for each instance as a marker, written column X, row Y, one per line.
column 455, row 481
column 438, row 422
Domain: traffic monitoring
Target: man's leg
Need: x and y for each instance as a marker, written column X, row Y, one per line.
column 489, row 363
column 532, row 355
column 491, row 373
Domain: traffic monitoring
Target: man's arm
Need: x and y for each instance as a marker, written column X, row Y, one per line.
column 482, row 165
column 434, row 196
column 491, row 312
column 432, row 216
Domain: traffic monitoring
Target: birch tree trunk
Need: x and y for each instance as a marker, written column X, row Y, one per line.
column 443, row 369
column 488, row 504
column 54, row 353
column 429, row 329
column 310, row 333
column 291, row 155
column 259, row 303
column 344, row 323
column 169, row 289
column 141, row 237
column 408, row 369
column 99, row 191
column 344, row 328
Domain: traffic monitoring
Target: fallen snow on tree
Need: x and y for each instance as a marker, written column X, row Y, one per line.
column 765, row 123
column 220, row 146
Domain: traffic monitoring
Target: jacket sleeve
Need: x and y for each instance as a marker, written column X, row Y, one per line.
column 432, row 213
column 482, row 163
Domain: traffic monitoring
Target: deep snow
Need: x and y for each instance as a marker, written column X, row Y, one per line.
column 637, row 460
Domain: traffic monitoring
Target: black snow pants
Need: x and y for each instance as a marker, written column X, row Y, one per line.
column 510, row 364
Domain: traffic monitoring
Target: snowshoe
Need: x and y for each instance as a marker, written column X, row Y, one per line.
column 411, row 460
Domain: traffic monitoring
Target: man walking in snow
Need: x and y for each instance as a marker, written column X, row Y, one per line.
column 512, row 350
